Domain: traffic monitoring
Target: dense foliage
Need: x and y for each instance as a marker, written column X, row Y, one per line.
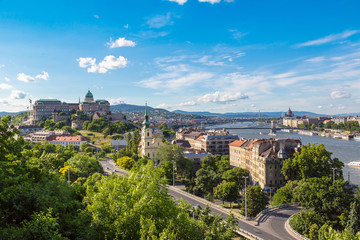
column 37, row 202
column 331, row 210
column 312, row 161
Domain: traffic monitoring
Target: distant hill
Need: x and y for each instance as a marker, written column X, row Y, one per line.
column 9, row 113
column 153, row 111
column 129, row 108
column 249, row 114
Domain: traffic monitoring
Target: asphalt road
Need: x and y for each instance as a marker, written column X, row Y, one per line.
column 271, row 226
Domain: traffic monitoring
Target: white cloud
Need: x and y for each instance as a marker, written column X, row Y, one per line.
column 7, row 79
column 25, row 78
column 96, row 16
column 116, row 101
column 237, row 34
column 126, row 26
column 316, row 59
column 340, row 94
column 44, row 76
column 175, row 81
column 4, row 86
column 110, row 62
column 164, row 105
column 222, row 97
column 16, row 94
column 160, row 21
column 190, row 103
column 120, row 42
column 210, row 1
column 85, row 62
column 329, row 38
column 180, row 2
column 319, row 107
column 205, row 60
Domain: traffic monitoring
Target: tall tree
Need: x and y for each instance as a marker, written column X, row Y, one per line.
column 205, row 182
column 353, row 222
column 256, row 201
column 227, row 191
column 169, row 153
column 313, row 161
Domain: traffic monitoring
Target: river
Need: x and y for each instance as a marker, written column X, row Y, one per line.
column 345, row 151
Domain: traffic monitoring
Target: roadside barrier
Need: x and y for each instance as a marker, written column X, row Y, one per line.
column 293, row 232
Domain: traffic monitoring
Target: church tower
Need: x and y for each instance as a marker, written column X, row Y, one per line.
column 151, row 138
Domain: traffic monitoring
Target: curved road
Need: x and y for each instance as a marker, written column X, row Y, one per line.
column 271, row 226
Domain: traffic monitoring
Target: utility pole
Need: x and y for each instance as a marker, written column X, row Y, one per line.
column 173, row 161
column 333, row 174
column 245, row 197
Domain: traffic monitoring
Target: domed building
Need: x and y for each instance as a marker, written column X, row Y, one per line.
column 89, row 97
column 89, row 106
column 289, row 113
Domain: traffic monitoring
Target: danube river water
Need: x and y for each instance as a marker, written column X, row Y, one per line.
column 345, row 151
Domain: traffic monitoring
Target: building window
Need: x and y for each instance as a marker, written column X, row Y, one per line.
column 148, row 154
column 148, row 134
column 148, row 143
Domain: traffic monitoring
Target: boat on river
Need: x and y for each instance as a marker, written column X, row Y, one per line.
column 354, row 164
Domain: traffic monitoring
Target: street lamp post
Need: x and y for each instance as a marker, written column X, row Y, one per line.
column 173, row 161
column 333, row 169
column 245, row 197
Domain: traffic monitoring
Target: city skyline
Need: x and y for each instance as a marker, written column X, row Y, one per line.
column 194, row 55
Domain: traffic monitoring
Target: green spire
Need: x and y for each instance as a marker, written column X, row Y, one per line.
column 146, row 122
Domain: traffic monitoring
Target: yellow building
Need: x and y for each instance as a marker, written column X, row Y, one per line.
column 151, row 139
column 263, row 158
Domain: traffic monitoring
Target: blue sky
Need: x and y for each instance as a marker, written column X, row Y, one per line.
column 194, row 55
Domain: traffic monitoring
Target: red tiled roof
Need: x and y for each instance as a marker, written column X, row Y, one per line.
column 237, row 143
column 67, row 138
column 199, row 138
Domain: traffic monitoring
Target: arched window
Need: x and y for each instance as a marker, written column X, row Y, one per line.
column 148, row 143
column 148, row 134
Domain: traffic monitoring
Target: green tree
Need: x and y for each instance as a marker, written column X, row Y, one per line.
column 126, row 162
column 223, row 165
column 209, row 162
column 184, row 167
column 236, row 175
column 313, row 161
column 256, row 201
column 285, row 194
column 353, row 223
column 205, row 182
column 227, row 191
column 168, row 153
column 83, row 166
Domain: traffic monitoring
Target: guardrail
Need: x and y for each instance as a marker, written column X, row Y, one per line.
column 240, row 231
column 288, row 227
column 273, row 208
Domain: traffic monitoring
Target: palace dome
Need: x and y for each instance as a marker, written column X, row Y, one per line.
column 89, row 94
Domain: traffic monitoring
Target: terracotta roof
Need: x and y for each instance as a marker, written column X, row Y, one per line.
column 67, row 138
column 199, row 138
column 237, row 143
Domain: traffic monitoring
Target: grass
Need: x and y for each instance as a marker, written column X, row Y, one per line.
column 98, row 138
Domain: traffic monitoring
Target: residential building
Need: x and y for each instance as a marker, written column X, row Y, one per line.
column 264, row 159
column 190, row 135
column 66, row 140
column 217, row 142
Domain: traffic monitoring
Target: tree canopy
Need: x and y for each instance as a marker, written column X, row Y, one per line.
column 312, row 161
